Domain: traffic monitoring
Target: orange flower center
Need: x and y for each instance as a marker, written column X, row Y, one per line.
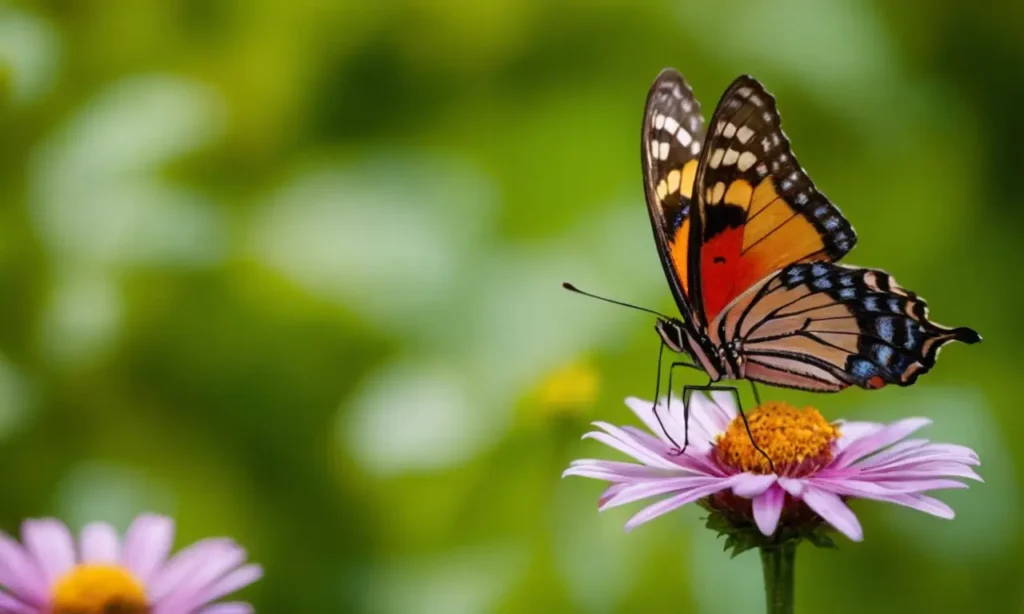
column 799, row 441
column 98, row 589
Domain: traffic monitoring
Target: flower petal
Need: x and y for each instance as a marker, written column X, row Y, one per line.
column 834, row 511
column 879, row 440
column 644, row 490
column 695, row 459
column 208, row 569
column 20, row 574
column 852, row 431
column 231, row 582
column 645, row 411
column 100, row 543
column 749, row 485
column 50, row 542
column 793, row 486
column 235, row 607
column 11, row 605
column 147, row 544
column 627, row 444
column 610, row 492
column 768, row 509
column 613, row 471
column 183, row 565
column 922, row 503
column 663, row 507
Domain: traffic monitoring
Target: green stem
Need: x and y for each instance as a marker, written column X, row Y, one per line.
column 777, row 562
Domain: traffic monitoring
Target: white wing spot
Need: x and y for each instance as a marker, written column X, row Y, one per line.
column 663, row 151
column 729, row 131
column 762, row 169
column 716, row 158
column 745, row 161
column 730, row 157
column 683, row 137
column 744, row 134
column 744, row 91
column 671, row 125
column 659, row 121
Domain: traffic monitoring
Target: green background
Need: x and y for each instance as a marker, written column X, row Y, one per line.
column 289, row 271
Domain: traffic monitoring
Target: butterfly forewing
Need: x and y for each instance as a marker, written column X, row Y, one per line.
column 757, row 210
column 673, row 135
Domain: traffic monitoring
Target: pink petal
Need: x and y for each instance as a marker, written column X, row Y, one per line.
column 20, row 574
column 205, row 571
column 850, row 432
column 921, row 503
column 623, row 442
column 147, row 544
column 11, row 605
column 722, row 409
column 834, row 511
column 644, row 490
column 927, row 470
column 610, row 492
column 233, row 581
column 228, row 608
column 793, row 486
column 663, row 507
column 183, row 565
column 749, row 485
column 100, row 544
column 611, row 471
column 645, row 411
column 694, row 460
column 50, row 542
column 918, row 454
column 768, row 510
column 877, row 441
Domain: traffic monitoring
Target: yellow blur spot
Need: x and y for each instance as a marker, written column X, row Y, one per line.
column 570, row 389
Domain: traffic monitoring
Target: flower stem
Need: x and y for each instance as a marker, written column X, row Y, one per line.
column 777, row 562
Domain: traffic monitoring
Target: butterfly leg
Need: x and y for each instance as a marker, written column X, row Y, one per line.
column 757, row 395
column 657, row 393
column 668, row 404
column 689, row 390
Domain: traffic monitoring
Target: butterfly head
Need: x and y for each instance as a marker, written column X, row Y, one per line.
column 673, row 335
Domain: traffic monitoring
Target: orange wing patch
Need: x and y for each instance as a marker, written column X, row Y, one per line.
column 758, row 211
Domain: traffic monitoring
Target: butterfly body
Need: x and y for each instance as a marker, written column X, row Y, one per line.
column 749, row 247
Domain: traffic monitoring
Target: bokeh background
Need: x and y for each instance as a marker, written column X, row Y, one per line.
column 289, row 271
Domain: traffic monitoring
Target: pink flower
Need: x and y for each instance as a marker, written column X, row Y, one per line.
column 49, row 573
column 817, row 465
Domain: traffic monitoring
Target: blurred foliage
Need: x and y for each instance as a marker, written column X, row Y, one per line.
column 290, row 272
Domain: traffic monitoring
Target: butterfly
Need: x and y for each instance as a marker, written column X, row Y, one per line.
column 749, row 247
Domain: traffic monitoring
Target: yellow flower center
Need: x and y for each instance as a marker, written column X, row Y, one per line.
column 799, row 441
column 99, row 589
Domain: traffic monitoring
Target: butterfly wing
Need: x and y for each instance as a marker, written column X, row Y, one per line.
column 757, row 210
column 823, row 327
column 673, row 134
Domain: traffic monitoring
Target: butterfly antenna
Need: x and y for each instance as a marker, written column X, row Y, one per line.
column 572, row 288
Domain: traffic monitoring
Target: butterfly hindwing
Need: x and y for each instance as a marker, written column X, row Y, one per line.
column 673, row 135
column 757, row 210
column 823, row 326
